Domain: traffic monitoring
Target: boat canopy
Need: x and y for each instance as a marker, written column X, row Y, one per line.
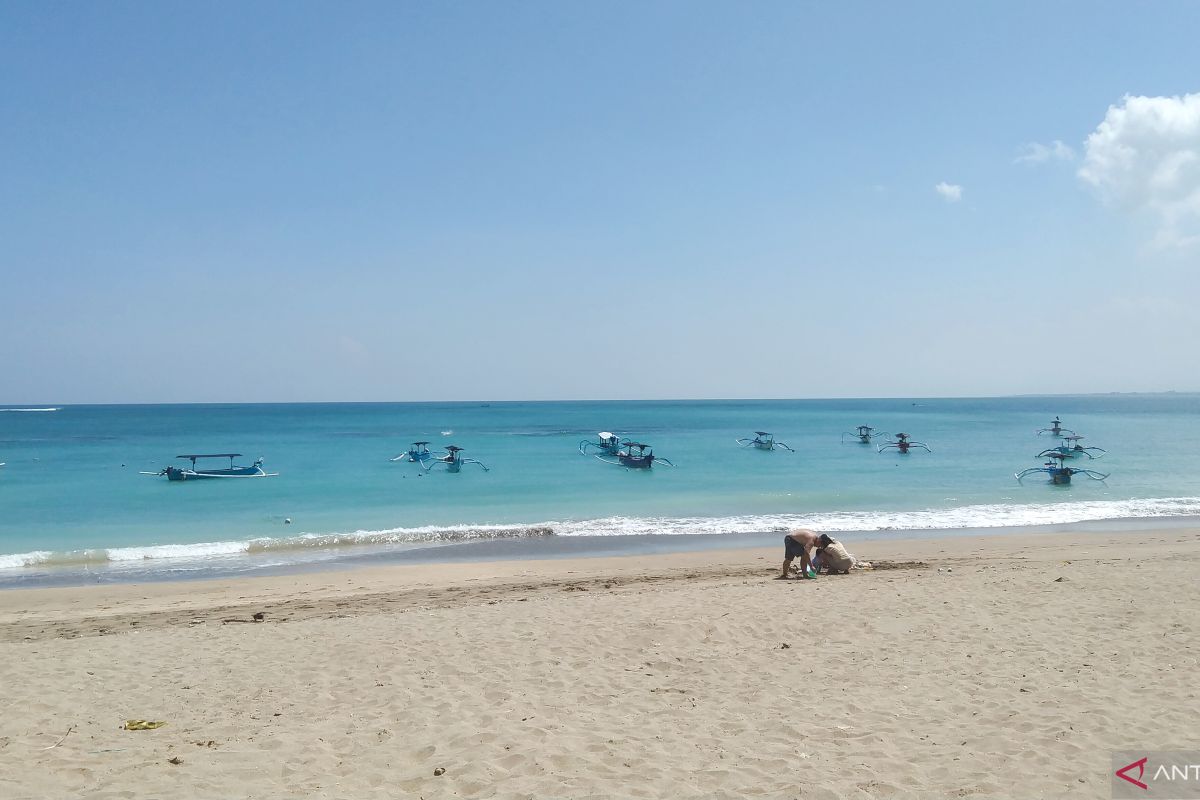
column 605, row 435
column 762, row 433
column 211, row 455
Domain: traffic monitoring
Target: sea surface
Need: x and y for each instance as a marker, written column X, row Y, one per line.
column 74, row 506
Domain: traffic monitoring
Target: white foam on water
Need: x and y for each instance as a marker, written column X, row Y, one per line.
column 17, row 560
column 158, row 551
column 28, row 410
column 424, row 534
column 977, row 516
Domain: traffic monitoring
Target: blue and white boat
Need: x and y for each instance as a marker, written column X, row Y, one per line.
column 417, row 453
column 1071, row 448
column 1056, row 428
column 634, row 455
column 453, row 460
column 609, row 444
column 193, row 472
column 1060, row 474
column 864, row 434
column 763, row 441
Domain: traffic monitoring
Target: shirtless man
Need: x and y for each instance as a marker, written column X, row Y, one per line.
column 800, row 542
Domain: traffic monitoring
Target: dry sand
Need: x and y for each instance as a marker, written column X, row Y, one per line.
column 1005, row 666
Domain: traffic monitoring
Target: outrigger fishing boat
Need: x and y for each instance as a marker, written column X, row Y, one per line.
column 1055, row 429
column 1060, row 474
column 633, row 455
column 418, row 453
column 453, row 460
column 1072, row 449
column 192, row 473
column 763, row 441
column 864, row 434
column 903, row 444
column 609, row 444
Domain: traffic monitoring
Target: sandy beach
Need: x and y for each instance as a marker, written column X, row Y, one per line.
column 999, row 666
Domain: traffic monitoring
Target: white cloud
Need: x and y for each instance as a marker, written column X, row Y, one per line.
column 1145, row 157
column 1037, row 153
column 952, row 192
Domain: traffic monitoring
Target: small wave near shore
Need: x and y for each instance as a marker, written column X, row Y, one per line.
column 304, row 546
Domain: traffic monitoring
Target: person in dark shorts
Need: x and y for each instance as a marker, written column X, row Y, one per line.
column 803, row 543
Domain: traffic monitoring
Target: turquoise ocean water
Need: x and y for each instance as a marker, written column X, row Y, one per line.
column 72, row 501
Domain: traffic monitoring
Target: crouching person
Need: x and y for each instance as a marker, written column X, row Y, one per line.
column 832, row 556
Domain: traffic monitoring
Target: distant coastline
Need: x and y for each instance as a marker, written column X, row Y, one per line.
column 488, row 402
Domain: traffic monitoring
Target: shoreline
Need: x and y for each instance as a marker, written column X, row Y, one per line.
column 354, row 557
column 675, row 675
column 422, row 584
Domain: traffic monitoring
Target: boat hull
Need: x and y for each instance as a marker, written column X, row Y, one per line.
column 636, row 462
column 177, row 474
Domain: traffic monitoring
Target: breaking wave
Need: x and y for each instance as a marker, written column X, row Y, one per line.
column 427, row 535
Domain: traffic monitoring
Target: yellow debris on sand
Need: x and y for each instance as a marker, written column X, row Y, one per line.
column 142, row 725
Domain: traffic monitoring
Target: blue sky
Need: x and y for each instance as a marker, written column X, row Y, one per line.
column 318, row 201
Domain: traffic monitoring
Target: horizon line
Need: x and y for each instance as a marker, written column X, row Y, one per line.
column 60, row 405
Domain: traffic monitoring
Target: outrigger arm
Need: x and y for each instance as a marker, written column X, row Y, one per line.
column 750, row 443
column 896, row 445
column 1030, row 471
column 1096, row 476
column 452, row 465
column 1073, row 451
